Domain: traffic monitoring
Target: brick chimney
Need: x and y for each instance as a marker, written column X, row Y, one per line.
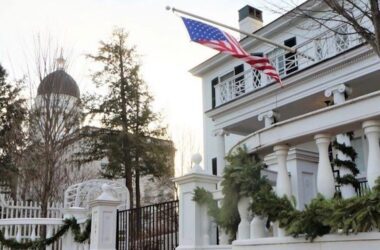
column 250, row 19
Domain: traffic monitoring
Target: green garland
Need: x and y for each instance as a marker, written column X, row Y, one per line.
column 347, row 179
column 79, row 236
column 322, row 216
column 241, row 177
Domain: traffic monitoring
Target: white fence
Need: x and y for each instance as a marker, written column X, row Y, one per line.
column 21, row 220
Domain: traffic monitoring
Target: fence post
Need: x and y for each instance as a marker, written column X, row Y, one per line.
column 192, row 216
column 78, row 213
column 103, row 220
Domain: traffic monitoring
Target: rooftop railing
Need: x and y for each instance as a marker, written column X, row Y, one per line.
column 321, row 47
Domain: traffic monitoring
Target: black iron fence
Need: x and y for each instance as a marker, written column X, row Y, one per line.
column 153, row 227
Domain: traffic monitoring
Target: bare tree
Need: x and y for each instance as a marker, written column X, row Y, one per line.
column 361, row 16
column 54, row 118
column 187, row 144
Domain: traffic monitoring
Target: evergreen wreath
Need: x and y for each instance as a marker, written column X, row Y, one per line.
column 79, row 236
column 347, row 179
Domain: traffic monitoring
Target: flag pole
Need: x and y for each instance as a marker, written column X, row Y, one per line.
column 263, row 39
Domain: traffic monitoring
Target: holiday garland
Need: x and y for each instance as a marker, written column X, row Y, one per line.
column 347, row 179
column 79, row 236
column 241, row 178
column 321, row 216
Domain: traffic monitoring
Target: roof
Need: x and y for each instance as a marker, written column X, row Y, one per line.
column 58, row 82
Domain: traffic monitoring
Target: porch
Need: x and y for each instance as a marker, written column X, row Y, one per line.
column 280, row 143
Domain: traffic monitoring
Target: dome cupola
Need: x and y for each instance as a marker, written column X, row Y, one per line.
column 58, row 82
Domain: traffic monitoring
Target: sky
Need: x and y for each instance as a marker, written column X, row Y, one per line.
column 165, row 50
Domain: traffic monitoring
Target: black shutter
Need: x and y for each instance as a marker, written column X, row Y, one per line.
column 239, row 69
column 291, row 63
column 260, row 54
column 214, row 82
column 214, row 165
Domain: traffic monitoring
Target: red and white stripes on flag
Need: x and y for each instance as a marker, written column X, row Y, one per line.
column 233, row 47
column 217, row 39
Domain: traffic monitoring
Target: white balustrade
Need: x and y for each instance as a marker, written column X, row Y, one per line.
column 372, row 131
column 321, row 47
column 325, row 176
column 258, row 227
column 244, row 225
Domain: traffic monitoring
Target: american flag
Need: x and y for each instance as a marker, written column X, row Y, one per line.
column 216, row 39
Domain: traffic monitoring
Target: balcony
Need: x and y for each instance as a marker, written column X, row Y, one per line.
column 320, row 48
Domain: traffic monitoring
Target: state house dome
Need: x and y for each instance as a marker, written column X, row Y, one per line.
column 58, row 82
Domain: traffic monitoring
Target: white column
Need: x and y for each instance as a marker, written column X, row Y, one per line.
column 244, row 227
column 283, row 185
column 268, row 117
column 339, row 93
column 221, row 151
column 103, row 220
column 192, row 217
column 347, row 191
column 325, row 176
column 372, row 130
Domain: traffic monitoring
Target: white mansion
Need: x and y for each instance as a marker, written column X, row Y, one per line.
column 331, row 91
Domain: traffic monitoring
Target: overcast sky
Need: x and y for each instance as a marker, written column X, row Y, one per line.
column 160, row 36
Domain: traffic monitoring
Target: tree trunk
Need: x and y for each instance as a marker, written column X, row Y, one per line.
column 138, row 194
column 129, row 185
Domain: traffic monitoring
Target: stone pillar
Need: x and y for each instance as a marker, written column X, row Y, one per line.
column 79, row 214
column 325, row 176
column 103, row 220
column 192, row 216
column 221, row 151
column 283, row 185
column 372, row 131
column 268, row 117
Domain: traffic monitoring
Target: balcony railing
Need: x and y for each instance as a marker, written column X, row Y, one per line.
column 321, row 47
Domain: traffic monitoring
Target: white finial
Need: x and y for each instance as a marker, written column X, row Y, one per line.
column 61, row 61
column 107, row 193
column 196, row 160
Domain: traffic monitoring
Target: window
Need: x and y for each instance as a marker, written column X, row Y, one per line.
column 358, row 145
column 214, row 82
column 291, row 63
column 239, row 81
column 214, row 165
column 277, row 59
